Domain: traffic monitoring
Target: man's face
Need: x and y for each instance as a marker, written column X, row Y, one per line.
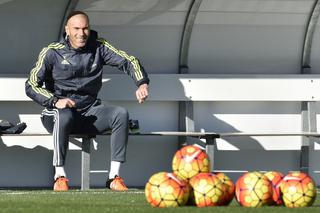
column 77, row 29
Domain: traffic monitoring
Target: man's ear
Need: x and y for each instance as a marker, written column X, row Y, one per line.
column 66, row 28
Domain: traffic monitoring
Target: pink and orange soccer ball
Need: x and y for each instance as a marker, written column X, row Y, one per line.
column 298, row 190
column 208, row 189
column 229, row 189
column 166, row 190
column 253, row 189
column 276, row 179
column 190, row 161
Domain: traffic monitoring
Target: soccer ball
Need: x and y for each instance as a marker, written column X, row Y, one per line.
column 298, row 190
column 208, row 189
column 190, row 161
column 229, row 189
column 276, row 179
column 253, row 189
column 166, row 190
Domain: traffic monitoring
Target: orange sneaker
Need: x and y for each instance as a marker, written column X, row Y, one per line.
column 61, row 184
column 116, row 184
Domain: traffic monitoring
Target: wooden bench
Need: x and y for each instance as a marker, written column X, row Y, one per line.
column 188, row 88
column 209, row 137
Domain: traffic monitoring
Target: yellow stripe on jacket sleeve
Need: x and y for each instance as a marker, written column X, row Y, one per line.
column 33, row 75
column 132, row 59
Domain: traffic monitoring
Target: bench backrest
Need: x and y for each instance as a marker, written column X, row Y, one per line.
column 200, row 87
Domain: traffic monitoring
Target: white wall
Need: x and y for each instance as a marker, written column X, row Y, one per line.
column 238, row 154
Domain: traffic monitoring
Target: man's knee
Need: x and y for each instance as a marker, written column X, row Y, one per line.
column 122, row 114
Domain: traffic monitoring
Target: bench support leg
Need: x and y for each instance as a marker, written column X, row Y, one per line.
column 186, row 121
column 85, row 163
column 210, row 150
column 309, row 124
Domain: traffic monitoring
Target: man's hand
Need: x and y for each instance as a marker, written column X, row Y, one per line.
column 65, row 103
column 142, row 93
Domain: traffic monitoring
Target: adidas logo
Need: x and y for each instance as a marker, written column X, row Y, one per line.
column 64, row 61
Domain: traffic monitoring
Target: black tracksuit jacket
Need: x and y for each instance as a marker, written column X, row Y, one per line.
column 64, row 72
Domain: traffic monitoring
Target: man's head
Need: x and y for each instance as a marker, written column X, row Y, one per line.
column 77, row 29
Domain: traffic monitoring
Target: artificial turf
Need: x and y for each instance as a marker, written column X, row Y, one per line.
column 102, row 200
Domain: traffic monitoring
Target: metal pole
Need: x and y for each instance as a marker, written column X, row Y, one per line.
column 85, row 163
column 308, row 113
column 186, row 122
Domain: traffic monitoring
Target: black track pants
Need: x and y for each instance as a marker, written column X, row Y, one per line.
column 97, row 119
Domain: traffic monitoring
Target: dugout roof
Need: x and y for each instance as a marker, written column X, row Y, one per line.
column 175, row 36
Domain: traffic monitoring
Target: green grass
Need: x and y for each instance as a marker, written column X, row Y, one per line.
column 101, row 200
